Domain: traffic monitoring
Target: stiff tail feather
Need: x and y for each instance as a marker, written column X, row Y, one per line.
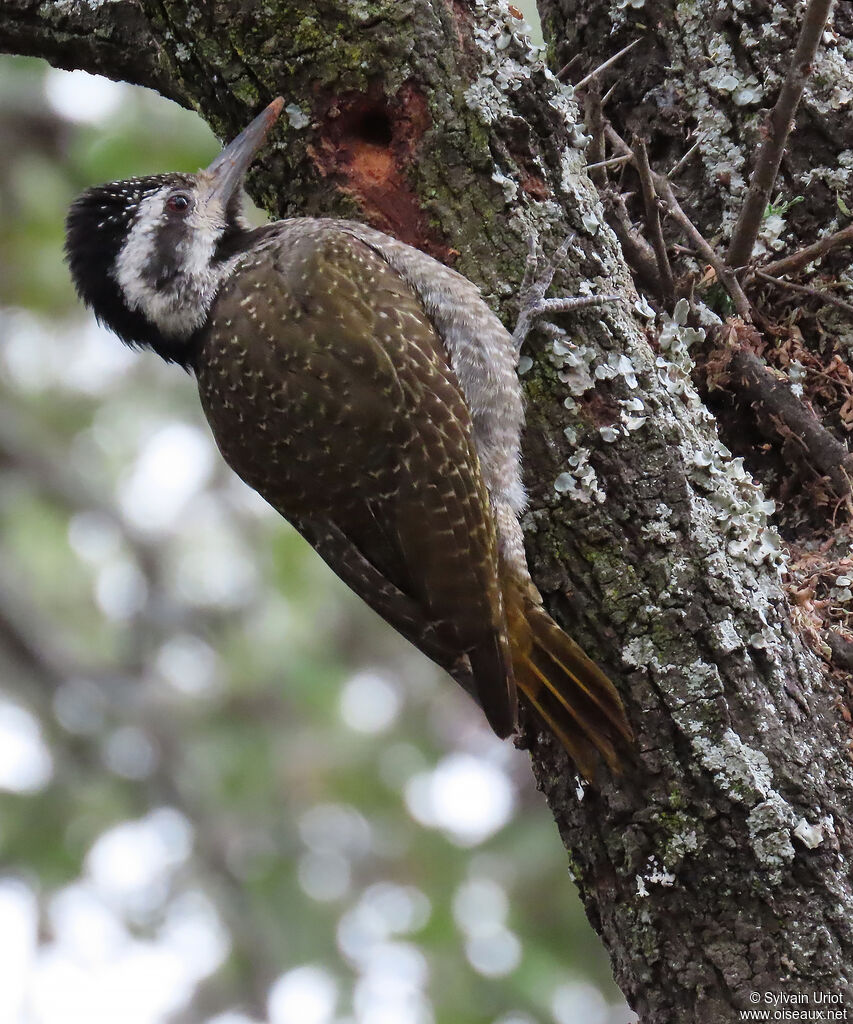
column 566, row 689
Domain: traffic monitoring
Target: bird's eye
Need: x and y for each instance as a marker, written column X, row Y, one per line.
column 178, row 203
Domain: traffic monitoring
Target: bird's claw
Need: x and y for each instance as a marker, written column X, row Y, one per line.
column 536, row 282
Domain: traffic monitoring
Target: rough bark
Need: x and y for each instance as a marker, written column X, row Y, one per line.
column 719, row 864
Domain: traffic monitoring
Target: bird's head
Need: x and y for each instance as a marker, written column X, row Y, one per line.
column 149, row 254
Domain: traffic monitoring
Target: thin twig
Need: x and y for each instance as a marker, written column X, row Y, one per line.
column 682, row 163
column 637, row 251
column 596, row 152
column 724, row 273
column 845, row 388
column 603, row 67
column 803, row 257
column 614, row 161
column 608, row 94
column 778, row 128
column 566, row 68
column 650, row 201
column 826, row 297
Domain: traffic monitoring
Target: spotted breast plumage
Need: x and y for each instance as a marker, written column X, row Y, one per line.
column 355, row 429
column 370, row 395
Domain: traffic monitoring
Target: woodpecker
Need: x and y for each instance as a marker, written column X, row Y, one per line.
column 369, row 394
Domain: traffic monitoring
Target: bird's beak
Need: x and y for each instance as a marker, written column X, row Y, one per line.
column 227, row 170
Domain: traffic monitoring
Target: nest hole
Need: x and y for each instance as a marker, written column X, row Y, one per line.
column 374, row 126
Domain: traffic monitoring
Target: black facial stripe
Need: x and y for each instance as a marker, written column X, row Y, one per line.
column 164, row 264
column 232, row 239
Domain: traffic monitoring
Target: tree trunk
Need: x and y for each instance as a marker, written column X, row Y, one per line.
column 719, row 864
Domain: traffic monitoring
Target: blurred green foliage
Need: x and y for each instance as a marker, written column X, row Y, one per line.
column 192, row 653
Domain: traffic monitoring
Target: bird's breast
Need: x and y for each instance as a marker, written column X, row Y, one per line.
column 299, row 416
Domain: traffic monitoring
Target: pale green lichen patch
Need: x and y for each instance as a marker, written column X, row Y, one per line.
column 296, row 116
column 574, row 363
column 683, row 838
column 745, row 774
column 725, row 493
column 769, row 824
column 658, row 529
column 510, row 58
column 509, row 187
column 580, row 480
column 509, row 62
column 810, row 836
column 740, row 771
column 703, row 682
column 676, row 340
column 725, row 637
column 653, row 874
column 65, row 6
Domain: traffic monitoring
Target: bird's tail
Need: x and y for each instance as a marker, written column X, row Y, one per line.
column 566, row 689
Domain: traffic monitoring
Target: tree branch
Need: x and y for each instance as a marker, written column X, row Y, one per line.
column 782, row 415
column 636, row 250
column 113, row 39
column 826, row 297
column 800, row 259
column 778, row 129
column 650, row 201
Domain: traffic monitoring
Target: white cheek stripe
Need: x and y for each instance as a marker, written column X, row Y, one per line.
column 181, row 306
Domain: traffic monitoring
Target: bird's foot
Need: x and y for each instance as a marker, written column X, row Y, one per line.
column 538, row 275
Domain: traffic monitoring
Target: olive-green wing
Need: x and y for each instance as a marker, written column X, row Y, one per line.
column 330, row 393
